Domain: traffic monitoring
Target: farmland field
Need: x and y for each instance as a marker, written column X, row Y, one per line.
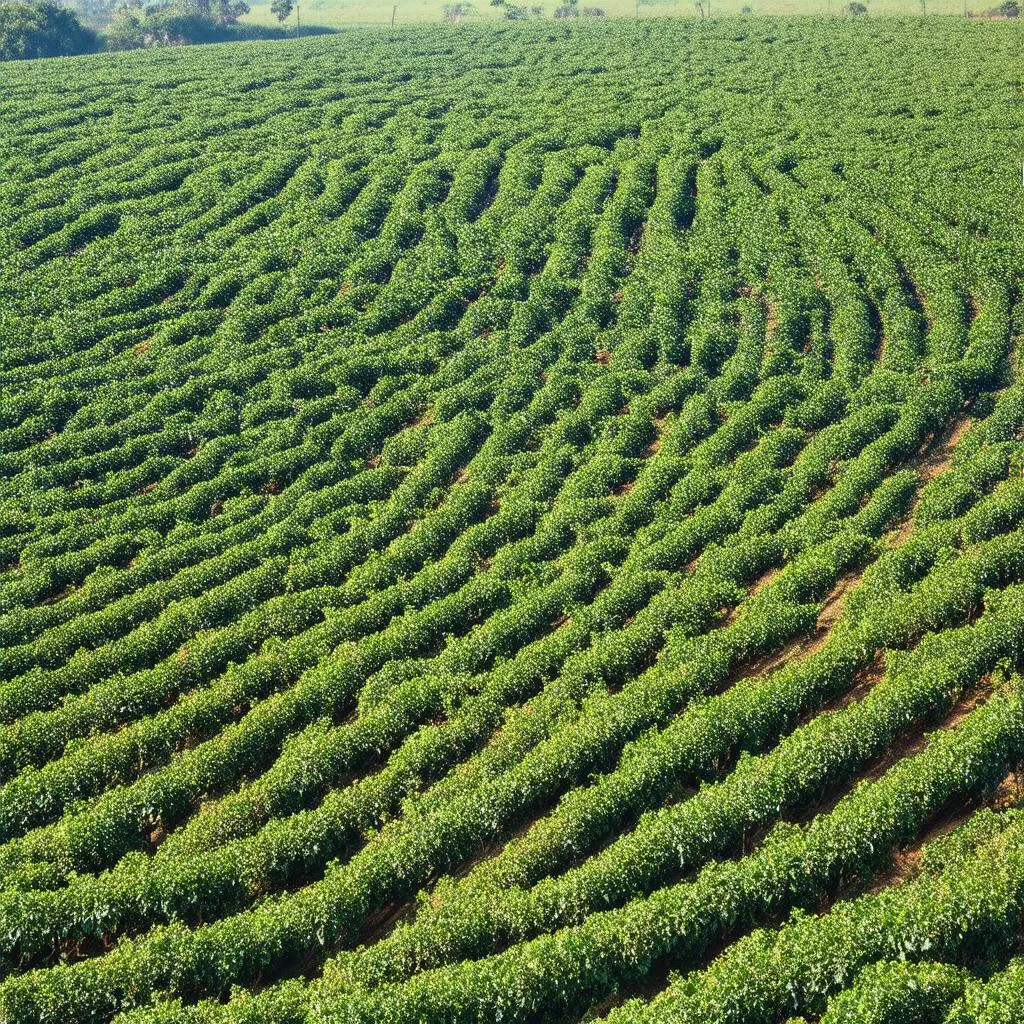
column 333, row 14
column 515, row 523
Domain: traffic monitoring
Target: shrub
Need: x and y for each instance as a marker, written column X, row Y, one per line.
column 41, row 30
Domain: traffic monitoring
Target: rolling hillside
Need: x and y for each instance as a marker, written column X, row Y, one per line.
column 336, row 14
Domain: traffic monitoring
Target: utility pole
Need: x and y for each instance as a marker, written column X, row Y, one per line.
column 394, row 11
column 298, row 21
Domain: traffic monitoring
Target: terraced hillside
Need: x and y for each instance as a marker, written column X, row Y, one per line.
column 515, row 524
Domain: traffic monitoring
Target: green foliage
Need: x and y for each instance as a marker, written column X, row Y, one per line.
column 177, row 22
column 496, row 521
column 29, row 30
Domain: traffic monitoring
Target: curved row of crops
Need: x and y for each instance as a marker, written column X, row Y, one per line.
column 514, row 524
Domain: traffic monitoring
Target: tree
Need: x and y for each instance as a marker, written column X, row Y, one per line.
column 175, row 23
column 856, row 8
column 282, row 9
column 42, row 30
